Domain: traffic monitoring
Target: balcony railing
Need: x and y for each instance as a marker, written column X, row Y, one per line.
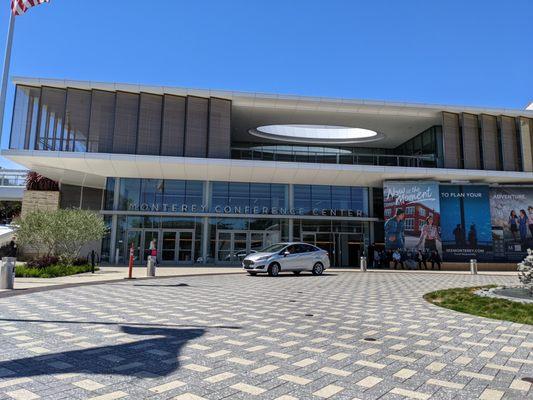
column 423, row 161
column 12, row 177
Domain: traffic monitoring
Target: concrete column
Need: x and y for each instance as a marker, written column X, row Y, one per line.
column 290, row 202
column 114, row 218
column 205, row 222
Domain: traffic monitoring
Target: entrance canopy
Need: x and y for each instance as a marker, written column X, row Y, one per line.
column 91, row 169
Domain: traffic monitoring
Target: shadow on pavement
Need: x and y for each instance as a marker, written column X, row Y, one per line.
column 155, row 355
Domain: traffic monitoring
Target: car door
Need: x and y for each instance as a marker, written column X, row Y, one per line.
column 289, row 262
column 306, row 258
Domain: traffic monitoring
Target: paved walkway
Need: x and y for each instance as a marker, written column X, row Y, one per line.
column 114, row 273
column 339, row 336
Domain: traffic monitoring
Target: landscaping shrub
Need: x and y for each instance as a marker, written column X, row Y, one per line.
column 42, row 262
column 60, row 233
column 51, row 271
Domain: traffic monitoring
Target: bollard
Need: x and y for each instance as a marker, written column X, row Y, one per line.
column 150, row 266
column 363, row 263
column 473, row 266
column 7, row 272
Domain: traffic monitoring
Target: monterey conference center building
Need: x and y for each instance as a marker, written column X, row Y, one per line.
column 214, row 175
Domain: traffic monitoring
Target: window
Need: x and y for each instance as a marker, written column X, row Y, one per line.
column 52, row 117
column 410, row 210
column 422, row 212
column 409, row 224
column 388, row 212
column 25, row 115
column 109, row 193
column 318, row 198
column 129, row 194
column 253, row 198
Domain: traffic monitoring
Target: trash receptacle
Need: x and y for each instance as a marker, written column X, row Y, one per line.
column 363, row 263
column 7, row 272
column 150, row 266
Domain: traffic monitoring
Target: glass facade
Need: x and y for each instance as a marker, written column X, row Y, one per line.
column 331, row 200
column 232, row 219
column 248, row 198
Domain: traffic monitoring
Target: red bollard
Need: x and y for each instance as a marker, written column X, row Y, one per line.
column 130, row 266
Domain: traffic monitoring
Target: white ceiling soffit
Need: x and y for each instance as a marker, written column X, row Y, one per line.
column 91, row 169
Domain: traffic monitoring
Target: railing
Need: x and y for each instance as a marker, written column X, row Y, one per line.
column 424, row 161
column 13, row 177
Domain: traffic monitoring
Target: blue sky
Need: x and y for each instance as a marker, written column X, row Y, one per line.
column 476, row 52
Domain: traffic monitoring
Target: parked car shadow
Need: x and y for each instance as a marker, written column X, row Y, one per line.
column 156, row 355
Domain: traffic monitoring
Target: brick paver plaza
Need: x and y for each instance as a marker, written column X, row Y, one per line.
column 236, row 336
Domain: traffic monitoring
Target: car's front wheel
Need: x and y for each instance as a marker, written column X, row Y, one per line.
column 318, row 268
column 273, row 270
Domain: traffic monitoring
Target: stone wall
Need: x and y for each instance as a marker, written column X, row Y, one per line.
column 39, row 200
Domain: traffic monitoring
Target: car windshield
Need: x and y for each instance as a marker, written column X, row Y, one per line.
column 274, row 247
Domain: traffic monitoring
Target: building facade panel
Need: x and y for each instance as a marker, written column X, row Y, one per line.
column 451, row 137
column 102, row 124
column 490, row 142
column 77, row 120
column 51, row 119
column 126, row 120
column 510, row 155
column 471, row 148
column 196, row 127
column 173, row 132
column 219, row 145
column 149, row 133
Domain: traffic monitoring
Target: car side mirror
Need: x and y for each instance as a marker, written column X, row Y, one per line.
column 286, row 253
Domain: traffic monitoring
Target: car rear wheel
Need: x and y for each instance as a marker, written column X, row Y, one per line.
column 273, row 270
column 318, row 268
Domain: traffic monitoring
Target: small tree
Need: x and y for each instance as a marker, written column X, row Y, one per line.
column 60, row 233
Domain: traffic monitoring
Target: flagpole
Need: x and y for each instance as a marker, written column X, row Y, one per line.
column 5, row 73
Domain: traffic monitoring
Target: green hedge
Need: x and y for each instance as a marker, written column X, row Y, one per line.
column 464, row 300
column 52, row 271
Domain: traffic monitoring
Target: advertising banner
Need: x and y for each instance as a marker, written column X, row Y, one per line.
column 412, row 215
column 466, row 228
column 511, row 210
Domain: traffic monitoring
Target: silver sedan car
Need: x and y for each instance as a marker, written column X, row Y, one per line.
column 294, row 257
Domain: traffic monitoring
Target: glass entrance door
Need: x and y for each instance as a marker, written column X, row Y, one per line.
column 185, row 248
column 347, row 250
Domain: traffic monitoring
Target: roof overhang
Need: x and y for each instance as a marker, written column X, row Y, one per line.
column 91, row 169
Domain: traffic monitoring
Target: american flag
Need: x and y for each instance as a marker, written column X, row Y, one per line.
column 19, row 7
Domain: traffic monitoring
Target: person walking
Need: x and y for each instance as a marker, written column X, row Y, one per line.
column 12, row 252
column 429, row 235
column 153, row 251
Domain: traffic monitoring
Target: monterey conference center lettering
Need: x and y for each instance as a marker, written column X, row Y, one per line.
column 220, row 209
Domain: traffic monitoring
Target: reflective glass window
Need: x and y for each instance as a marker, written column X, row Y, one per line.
column 360, row 200
column 25, row 115
column 219, row 194
column 341, row 198
column 260, row 195
column 302, row 198
column 152, row 192
column 174, row 192
column 129, row 194
column 194, row 194
column 278, row 195
column 239, row 194
column 109, row 193
column 321, row 197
